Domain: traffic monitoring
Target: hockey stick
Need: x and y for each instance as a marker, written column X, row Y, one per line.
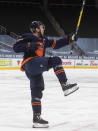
column 80, row 17
column 74, row 46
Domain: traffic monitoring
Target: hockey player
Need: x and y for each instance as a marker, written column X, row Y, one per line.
column 34, row 63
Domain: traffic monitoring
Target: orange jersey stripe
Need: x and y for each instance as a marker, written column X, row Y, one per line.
column 54, row 43
column 25, row 61
column 40, row 52
column 59, row 71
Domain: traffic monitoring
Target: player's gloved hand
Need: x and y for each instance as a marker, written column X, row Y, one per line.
column 32, row 46
column 72, row 38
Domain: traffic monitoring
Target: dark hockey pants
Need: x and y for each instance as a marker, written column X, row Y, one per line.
column 37, row 82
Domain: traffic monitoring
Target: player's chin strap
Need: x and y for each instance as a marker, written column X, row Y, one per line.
column 74, row 46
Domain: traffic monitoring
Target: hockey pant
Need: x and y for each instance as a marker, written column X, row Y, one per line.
column 34, row 70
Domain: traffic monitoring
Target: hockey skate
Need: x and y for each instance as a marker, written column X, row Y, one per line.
column 69, row 88
column 38, row 122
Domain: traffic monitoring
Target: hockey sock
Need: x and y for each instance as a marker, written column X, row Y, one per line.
column 60, row 73
column 36, row 106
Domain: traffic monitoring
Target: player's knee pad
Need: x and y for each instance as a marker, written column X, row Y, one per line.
column 57, row 61
column 36, row 99
column 54, row 61
column 37, row 92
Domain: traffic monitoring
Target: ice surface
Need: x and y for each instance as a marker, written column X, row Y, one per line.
column 76, row 112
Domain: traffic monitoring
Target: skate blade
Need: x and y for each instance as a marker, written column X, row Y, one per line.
column 71, row 90
column 38, row 125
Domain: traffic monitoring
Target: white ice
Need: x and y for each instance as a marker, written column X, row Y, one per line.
column 76, row 112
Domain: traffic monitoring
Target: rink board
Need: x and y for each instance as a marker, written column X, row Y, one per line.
column 13, row 64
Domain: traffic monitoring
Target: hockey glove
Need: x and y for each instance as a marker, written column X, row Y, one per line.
column 33, row 46
column 72, row 38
